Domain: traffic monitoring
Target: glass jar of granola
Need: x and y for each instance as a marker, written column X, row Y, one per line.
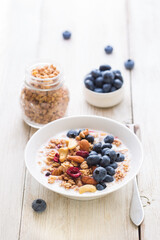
column 44, row 97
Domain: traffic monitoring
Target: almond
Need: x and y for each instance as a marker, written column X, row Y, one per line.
column 88, row 180
column 84, row 145
column 77, row 159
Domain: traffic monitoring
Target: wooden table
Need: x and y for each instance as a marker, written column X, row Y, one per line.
column 32, row 29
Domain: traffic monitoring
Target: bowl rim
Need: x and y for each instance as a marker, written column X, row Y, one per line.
column 105, row 94
column 81, row 196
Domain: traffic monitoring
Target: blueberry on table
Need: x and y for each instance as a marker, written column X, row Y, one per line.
column 114, row 165
column 104, row 67
column 120, row 157
column 109, row 139
column 107, row 87
column 117, row 83
column 99, row 174
column 72, row 133
column 93, row 153
column 98, row 90
column 105, row 161
column 96, row 73
column 39, row 205
column 89, row 84
column 110, row 170
column 66, row 35
column 108, row 49
column 113, row 89
column 93, row 159
column 99, row 82
column 101, row 186
column 97, row 147
column 106, row 145
column 108, row 178
column 90, row 138
column 129, row 64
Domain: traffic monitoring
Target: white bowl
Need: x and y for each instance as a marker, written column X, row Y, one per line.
column 98, row 123
column 103, row 100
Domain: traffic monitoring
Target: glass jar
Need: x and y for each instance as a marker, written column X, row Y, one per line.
column 44, row 98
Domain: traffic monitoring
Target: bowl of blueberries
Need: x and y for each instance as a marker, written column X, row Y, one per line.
column 103, row 87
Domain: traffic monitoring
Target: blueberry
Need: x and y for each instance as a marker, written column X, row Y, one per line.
column 109, row 139
column 118, row 76
column 129, row 64
column 117, row 83
column 120, row 157
column 93, row 159
column 72, row 133
column 66, row 35
column 89, row 77
column 117, row 72
column 104, row 67
column 96, row 73
column 98, row 90
column 93, row 153
column 97, row 147
column 99, row 82
column 89, row 84
column 112, row 154
column 105, row 161
column 81, row 130
column 107, row 87
column 108, row 178
column 110, row 170
column 108, row 49
column 39, row 205
column 90, row 138
column 106, row 145
column 114, row 165
column 108, row 76
column 113, row 89
column 99, row 174
column 101, row 186
column 104, row 150
column 47, row 174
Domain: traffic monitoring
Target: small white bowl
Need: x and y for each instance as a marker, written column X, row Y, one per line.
column 104, row 100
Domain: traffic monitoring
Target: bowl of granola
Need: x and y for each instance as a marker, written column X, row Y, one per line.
column 83, row 157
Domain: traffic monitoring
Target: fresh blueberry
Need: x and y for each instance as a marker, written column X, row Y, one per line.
column 66, row 35
column 109, row 139
column 98, row 90
column 89, row 77
column 117, row 83
column 89, row 84
column 72, row 133
column 108, row 49
column 112, row 154
column 108, row 76
column 110, row 170
column 81, row 130
column 129, row 64
column 114, row 165
column 39, row 205
column 93, row 153
column 108, row 178
column 104, row 150
column 106, row 145
column 120, row 157
column 105, row 161
column 97, row 147
column 93, row 159
column 101, row 186
column 99, row 174
column 113, row 89
column 107, row 87
column 96, row 73
column 47, row 174
column 90, row 138
column 99, row 82
column 104, row 67
column 117, row 72
column 118, row 76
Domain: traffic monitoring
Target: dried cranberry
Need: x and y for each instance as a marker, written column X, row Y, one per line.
column 82, row 154
column 73, row 172
column 56, row 158
column 47, row 174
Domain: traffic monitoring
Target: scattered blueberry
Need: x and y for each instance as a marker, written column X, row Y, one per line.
column 108, row 49
column 106, row 87
column 129, row 64
column 101, row 186
column 66, row 35
column 117, row 83
column 72, row 133
column 106, row 145
column 110, row 170
column 90, row 138
column 113, row 89
column 93, row 159
column 98, row 90
column 105, row 161
column 97, row 147
column 114, row 165
column 109, row 139
column 39, row 205
column 99, row 82
column 47, row 174
column 89, row 84
column 93, row 153
column 104, row 67
column 99, row 174
column 112, row 154
column 96, row 73
column 108, row 178
column 120, row 157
